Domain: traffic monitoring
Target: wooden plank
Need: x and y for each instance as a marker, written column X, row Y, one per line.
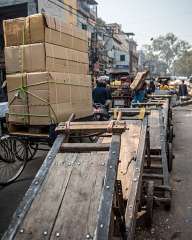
column 153, row 176
column 105, row 208
column 44, row 209
column 29, row 134
column 92, row 126
column 129, row 146
column 84, row 147
column 132, row 203
column 154, row 130
column 78, row 213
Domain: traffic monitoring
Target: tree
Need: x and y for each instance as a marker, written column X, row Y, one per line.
column 167, row 49
column 153, row 62
column 183, row 66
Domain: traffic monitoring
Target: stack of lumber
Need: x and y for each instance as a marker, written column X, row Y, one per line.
column 47, row 70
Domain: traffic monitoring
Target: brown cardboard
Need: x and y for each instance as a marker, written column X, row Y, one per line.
column 65, row 40
column 25, row 58
column 31, row 30
column 32, row 58
column 59, row 52
column 19, row 114
column 66, row 66
column 14, row 31
column 139, row 80
column 49, row 97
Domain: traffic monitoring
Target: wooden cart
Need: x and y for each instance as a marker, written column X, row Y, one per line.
column 88, row 190
column 161, row 156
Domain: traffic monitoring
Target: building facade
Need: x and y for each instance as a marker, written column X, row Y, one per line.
column 87, row 14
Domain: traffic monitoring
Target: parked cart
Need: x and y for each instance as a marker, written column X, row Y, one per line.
column 90, row 190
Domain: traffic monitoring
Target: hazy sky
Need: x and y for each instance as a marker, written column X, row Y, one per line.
column 149, row 18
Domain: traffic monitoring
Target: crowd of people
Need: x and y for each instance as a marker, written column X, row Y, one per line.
column 102, row 93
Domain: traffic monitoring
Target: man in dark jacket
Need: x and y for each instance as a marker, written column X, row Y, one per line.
column 100, row 94
column 183, row 92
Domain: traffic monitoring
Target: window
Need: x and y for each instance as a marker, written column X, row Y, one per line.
column 84, row 26
column 122, row 58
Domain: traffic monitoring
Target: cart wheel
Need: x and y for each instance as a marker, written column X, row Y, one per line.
column 170, row 157
column 12, row 162
column 149, row 204
column 32, row 150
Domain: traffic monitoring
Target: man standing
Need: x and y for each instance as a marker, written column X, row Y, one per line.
column 183, row 92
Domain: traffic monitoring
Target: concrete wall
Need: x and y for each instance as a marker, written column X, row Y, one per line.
column 32, row 5
column 117, row 61
column 52, row 7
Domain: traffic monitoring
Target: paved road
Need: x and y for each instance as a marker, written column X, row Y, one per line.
column 177, row 224
column 11, row 195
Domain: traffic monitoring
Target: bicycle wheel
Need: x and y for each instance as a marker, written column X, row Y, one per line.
column 13, row 157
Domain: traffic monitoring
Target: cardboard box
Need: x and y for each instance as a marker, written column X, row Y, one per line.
column 66, row 66
column 38, row 28
column 33, row 57
column 139, row 80
column 48, row 98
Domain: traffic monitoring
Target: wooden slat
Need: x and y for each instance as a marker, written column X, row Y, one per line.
column 84, row 147
column 29, row 134
column 78, row 212
column 154, row 130
column 43, row 212
column 129, row 146
column 69, row 199
column 132, row 203
column 91, row 127
column 153, row 176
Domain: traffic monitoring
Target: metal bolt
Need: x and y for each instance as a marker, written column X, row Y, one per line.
column 57, row 234
column 110, row 167
column 135, row 180
column 22, row 231
column 103, row 164
column 107, row 187
column 45, row 233
column 69, row 164
column 88, row 236
column 50, row 157
column 36, row 182
column 101, row 226
column 113, row 152
column 79, row 163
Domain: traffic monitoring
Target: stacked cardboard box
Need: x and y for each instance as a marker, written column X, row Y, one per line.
column 47, row 70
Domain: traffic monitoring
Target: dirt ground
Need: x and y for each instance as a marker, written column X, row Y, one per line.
column 177, row 223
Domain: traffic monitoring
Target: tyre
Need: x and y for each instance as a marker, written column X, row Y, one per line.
column 13, row 157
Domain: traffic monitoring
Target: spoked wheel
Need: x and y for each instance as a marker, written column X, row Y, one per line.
column 149, row 203
column 32, row 150
column 13, row 157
